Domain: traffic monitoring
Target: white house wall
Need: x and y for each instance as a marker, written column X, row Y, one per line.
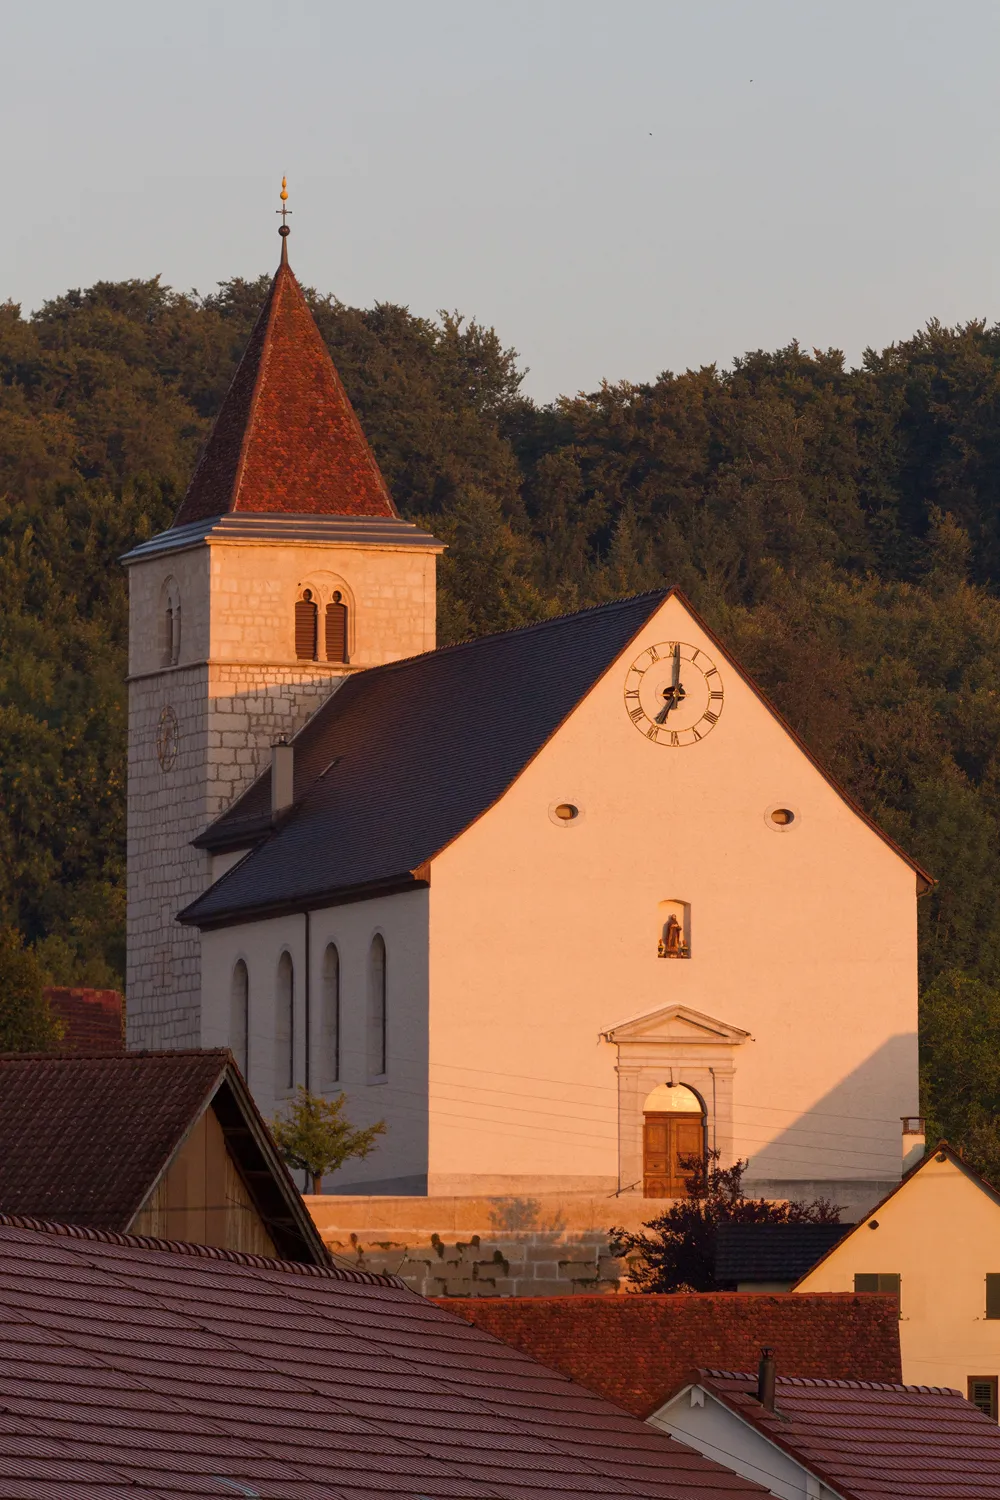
column 709, row 1427
column 399, row 1164
column 544, row 936
column 940, row 1234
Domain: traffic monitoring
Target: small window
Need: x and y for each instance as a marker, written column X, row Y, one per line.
column 284, row 1031
column 336, row 629
column 330, row 1041
column 170, row 623
column 983, row 1393
column 878, row 1281
column 306, row 626
column 377, row 1058
column 239, row 1006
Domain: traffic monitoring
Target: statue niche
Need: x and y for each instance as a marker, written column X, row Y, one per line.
column 675, row 930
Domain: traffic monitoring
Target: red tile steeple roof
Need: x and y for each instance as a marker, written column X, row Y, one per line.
column 287, row 440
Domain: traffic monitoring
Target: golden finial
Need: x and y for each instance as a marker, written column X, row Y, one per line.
column 284, row 230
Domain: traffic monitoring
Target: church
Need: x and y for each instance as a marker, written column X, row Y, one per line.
column 564, row 906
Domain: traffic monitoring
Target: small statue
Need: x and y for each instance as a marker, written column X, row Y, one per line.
column 672, row 944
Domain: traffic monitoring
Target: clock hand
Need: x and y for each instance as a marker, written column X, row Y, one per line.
column 672, row 699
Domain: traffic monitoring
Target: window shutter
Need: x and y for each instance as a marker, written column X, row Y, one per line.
column 993, row 1294
column 336, row 631
column 306, row 615
column 983, row 1393
column 878, row 1281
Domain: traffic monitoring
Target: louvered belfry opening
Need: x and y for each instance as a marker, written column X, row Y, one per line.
column 306, row 627
column 336, row 629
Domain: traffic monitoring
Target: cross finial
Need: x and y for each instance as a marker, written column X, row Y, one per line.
column 284, row 211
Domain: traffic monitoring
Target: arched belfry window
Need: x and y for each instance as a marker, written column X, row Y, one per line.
column 336, row 628
column 284, row 1030
column 306, row 627
column 239, row 1015
column 330, row 1019
column 170, row 624
column 377, row 1016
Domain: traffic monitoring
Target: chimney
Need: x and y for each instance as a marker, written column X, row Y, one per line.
column 282, row 776
column 765, row 1379
column 913, row 1140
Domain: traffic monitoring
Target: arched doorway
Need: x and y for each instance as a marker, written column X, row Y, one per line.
column 673, row 1134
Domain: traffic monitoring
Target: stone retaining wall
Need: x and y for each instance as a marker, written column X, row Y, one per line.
column 485, row 1247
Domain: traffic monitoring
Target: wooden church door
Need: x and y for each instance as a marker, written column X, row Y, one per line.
column 668, row 1141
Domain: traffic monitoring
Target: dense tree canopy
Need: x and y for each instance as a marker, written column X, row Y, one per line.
column 839, row 527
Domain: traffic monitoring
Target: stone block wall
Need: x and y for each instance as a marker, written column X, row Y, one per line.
column 496, row 1264
column 549, row 1246
column 223, row 721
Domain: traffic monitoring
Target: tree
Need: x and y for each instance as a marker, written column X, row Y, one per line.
column 25, row 1022
column 314, row 1137
column 678, row 1255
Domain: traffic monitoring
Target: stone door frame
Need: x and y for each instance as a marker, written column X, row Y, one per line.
column 673, row 1045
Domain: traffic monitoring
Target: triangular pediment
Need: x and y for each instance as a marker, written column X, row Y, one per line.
column 677, row 1023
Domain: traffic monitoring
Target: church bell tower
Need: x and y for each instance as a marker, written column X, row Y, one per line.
column 287, row 568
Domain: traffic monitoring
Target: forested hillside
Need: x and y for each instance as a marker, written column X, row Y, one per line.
column 840, row 528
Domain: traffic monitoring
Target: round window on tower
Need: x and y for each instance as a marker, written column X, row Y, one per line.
column 781, row 818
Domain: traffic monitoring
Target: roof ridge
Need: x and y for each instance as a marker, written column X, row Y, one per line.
column 608, row 606
column 119, row 1056
column 268, row 314
column 825, row 1383
column 197, row 1252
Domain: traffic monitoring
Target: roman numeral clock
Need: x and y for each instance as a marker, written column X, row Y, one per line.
column 673, row 694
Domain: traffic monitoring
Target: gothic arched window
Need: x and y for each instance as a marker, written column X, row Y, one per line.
column 306, row 627
column 336, row 628
column 239, row 1015
column 284, row 1029
column 377, row 1017
column 330, row 1018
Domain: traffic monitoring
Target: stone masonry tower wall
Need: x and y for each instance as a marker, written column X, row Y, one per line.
column 213, row 680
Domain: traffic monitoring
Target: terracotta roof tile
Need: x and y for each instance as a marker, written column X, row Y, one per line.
column 635, row 1350
column 286, row 439
column 92, row 1020
column 870, row 1440
column 129, row 1370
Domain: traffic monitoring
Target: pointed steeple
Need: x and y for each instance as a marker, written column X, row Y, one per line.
column 287, row 440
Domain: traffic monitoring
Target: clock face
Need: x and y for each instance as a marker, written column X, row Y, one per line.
column 673, row 694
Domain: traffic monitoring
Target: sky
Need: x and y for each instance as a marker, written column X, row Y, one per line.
column 618, row 188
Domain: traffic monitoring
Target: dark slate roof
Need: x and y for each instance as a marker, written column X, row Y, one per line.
column 184, row 1373
column 868, row 1441
column 403, row 757
column 772, row 1252
column 634, row 1350
column 84, row 1140
column 286, row 439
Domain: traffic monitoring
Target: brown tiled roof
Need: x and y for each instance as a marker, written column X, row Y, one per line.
column 634, row 1350
column 83, row 1139
column 91, row 1019
column 287, row 439
column 132, row 1370
column 871, row 1440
